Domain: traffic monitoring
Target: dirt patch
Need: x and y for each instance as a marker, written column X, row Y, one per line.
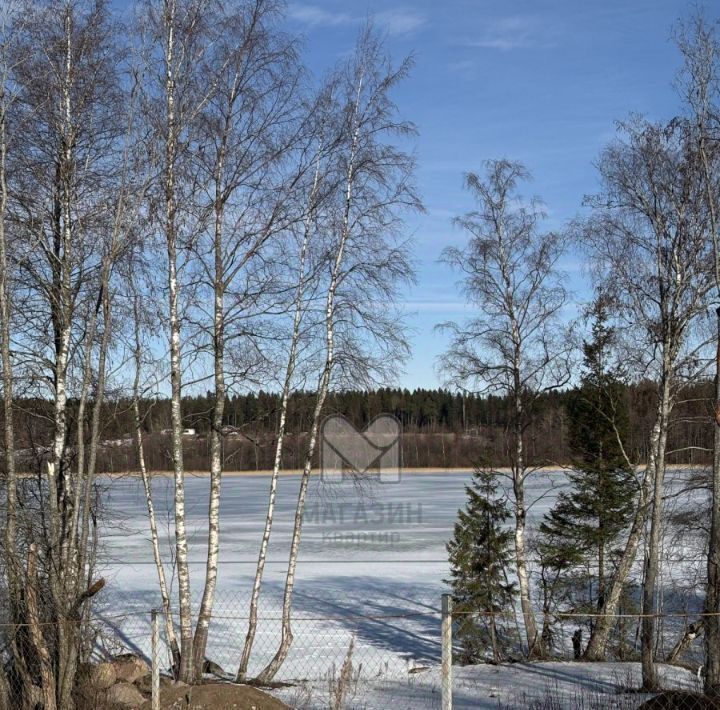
column 213, row 696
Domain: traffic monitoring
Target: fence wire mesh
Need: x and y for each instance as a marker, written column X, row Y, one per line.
column 388, row 637
column 359, row 650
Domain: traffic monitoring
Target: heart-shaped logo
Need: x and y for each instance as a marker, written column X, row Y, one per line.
column 345, row 451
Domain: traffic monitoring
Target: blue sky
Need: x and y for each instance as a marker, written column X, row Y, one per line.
column 542, row 82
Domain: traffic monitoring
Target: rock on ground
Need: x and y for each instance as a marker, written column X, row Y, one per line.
column 102, row 676
column 124, row 696
column 144, row 685
column 130, row 668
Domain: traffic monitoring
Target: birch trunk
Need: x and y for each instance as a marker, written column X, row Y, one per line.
column 289, row 372
column 63, row 579
column 61, row 308
column 597, row 645
column 216, row 463
column 181, row 549
column 531, row 634
column 650, row 681
column 269, row 672
column 533, row 641
column 147, row 485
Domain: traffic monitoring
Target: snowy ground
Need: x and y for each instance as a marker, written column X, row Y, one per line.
column 520, row 686
column 372, row 567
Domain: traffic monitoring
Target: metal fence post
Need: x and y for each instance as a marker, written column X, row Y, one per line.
column 446, row 669
column 155, row 690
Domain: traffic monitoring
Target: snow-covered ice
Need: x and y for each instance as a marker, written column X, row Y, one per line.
column 376, row 552
column 372, row 567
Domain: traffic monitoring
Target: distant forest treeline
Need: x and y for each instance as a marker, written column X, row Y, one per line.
column 440, row 428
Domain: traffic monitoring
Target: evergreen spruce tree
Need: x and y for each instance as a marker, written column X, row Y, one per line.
column 480, row 554
column 589, row 517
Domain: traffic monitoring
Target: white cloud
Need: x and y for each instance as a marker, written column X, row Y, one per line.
column 315, row 16
column 396, row 21
column 515, row 32
column 399, row 21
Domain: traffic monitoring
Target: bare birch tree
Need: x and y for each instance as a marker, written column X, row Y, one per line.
column 648, row 243
column 316, row 191
column 67, row 237
column 140, row 325
column 245, row 133
column 362, row 254
column 515, row 347
column 172, row 138
column 221, row 106
column 178, row 34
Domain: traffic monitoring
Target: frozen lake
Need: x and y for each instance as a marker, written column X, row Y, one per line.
column 376, row 552
column 404, row 525
column 372, row 566
column 392, row 534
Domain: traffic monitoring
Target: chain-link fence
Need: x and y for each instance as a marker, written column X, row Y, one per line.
column 361, row 651
column 342, row 645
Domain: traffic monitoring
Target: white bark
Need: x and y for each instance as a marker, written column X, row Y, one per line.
column 64, row 578
column 652, row 562
column 58, row 480
column 658, row 273
column 515, row 345
column 147, row 485
column 269, row 672
column 277, row 464
column 216, row 434
column 181, row 547
column 597, row 645
column 519, row 473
